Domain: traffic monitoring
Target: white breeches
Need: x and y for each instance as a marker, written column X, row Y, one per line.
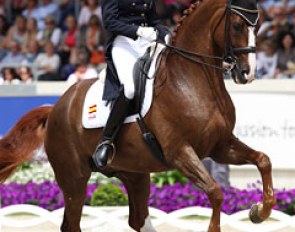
column 125, row 53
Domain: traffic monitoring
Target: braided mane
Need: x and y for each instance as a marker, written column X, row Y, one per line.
column 186, row 13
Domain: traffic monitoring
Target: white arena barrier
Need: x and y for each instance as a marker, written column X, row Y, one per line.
column 97, row 218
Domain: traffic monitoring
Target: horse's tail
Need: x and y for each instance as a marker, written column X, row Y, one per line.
column 22, row 140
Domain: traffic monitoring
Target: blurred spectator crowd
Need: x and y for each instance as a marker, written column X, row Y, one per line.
column 47, row 40
column 43, row 40
column 275, row 39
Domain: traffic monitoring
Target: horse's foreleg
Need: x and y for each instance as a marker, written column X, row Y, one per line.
column 192, row 167
column 138, row 188
column 238, row 153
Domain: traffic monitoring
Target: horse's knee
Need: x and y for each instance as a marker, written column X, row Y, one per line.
column 215, row 194
column 264, row 163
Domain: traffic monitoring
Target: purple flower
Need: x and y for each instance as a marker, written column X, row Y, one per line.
column 167, row 198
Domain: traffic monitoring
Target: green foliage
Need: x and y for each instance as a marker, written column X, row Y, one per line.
column 169, row 178
column 109, row 195
column 290, row 210
column 26, row 166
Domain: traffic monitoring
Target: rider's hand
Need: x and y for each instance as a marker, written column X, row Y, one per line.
column 148, row 33
column 167, row 39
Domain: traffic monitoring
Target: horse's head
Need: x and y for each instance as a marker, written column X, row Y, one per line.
column 240, row 19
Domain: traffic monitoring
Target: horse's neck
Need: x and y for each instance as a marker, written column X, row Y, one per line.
column 195, row 35
column 195, row 29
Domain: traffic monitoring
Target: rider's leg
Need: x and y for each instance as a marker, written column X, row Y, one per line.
column 114, row 122
column 124, row 55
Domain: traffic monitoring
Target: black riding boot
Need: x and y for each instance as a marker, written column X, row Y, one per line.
column 114, row 123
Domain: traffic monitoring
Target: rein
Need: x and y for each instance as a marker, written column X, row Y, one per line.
column 190, row 56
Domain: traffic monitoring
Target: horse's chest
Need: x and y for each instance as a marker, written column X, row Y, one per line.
column 214, row 131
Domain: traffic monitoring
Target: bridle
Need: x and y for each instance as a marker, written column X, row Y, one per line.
column 230, row 52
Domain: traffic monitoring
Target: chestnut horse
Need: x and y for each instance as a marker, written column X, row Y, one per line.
column 192, row 115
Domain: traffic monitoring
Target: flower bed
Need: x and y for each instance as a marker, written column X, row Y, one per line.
column 34, row 184
column 39, row 172
column 167, row 198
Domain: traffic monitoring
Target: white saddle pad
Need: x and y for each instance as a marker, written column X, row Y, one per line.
column 96, row 111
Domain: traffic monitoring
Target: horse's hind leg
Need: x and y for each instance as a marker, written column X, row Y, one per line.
column 74, row 191
column 73, row 182
column 192, row 167
column 138, row 188
column 236, row 152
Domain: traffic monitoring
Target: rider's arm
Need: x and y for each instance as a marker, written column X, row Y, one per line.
column 154, row 21
column 110, row 16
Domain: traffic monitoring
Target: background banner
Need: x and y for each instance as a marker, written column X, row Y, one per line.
column 13, row 108
column 266, row 122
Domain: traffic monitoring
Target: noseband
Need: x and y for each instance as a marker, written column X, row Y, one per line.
column 230, row 52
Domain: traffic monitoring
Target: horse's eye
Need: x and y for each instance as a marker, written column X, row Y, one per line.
column 238, row 27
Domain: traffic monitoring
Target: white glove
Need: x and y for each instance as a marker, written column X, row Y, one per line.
column 167, row 39
column 148, row 33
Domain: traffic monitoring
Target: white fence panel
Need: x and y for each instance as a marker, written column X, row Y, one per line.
column 115, row 218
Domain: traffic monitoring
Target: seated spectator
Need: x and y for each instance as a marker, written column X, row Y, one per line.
column 83, row 71
column 3, row 28
column 286, row 56
column 2, row 7
column 92, row 7
column 67, row 7
column 3, row 31
column 175, row 15
column 50, row 8
column 94, row 40
column 17, row 31
column 30, row 35
column 265, row 5
column 267, row 60
column 32, row 53
column 16, row 8
column 271, row 29
column 25, row 74
column 9, row 76
column 292, row 23
column 51, row 33
column 13, row 55
column 288, row 5
column 67, row 47
column 47, row 64
column 32, row 10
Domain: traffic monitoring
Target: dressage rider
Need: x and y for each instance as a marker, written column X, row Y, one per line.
column 133, row 25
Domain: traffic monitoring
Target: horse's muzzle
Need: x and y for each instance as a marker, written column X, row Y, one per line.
column 241, row 74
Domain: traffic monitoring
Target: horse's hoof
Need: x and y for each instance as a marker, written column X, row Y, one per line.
column 254, row 213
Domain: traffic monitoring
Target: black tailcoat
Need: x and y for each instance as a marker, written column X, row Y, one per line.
column 123, row 17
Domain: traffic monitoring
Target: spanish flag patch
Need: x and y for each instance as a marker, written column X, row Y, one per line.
column 92, row 109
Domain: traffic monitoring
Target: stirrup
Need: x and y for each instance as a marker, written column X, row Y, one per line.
column 112, row 145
